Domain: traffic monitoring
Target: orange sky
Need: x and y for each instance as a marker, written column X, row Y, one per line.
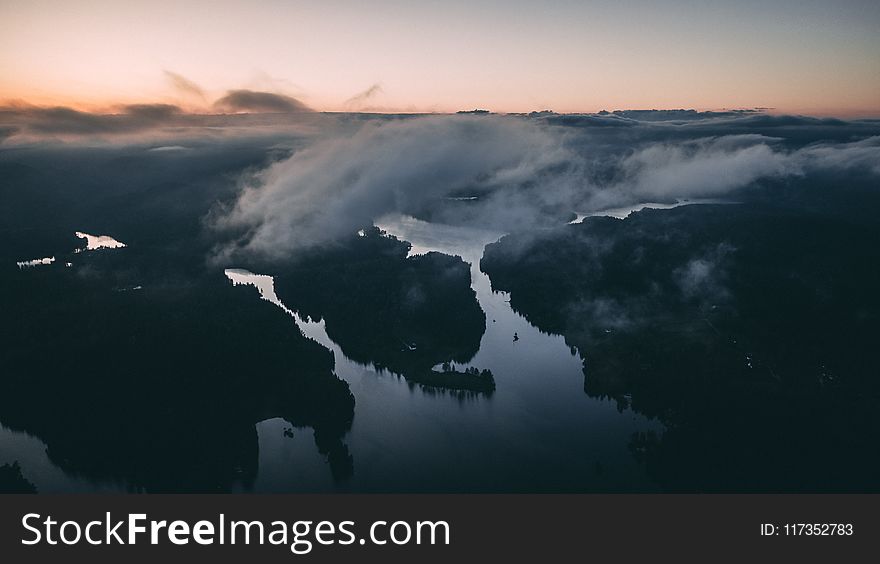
column 793, row 56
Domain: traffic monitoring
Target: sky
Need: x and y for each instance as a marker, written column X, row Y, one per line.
column 794, row 56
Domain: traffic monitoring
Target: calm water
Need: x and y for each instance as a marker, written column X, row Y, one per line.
column 538, row 431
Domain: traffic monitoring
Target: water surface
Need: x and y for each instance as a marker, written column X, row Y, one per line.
column 539, row 431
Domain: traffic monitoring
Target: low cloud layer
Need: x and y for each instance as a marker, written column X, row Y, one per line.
column 64, row 120
column 345, row 182
column 161, row 124
column 29, row 123
column 513, row 172
column 332, row 174
column 717, row 166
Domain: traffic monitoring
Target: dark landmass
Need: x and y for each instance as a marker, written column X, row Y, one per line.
column 13, row 482
column 382, row 308
column 160, row 387
column 749, row 330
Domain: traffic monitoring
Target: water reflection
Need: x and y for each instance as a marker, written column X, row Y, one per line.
column 35, row 262
column 248, row 411
column 537, row 432
column 30, row 453
column 95, row 242
column 262, row 282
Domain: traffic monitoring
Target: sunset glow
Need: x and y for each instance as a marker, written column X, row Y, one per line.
column 791, row 56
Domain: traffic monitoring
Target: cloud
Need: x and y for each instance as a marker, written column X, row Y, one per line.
column 164, row 124
column 152, row 112
column 863, row 154
column 338, row 185
column 704, row 167
column 7, row 131
column 717, row 166
column 704, row 278
column 65, row 120
column 61, row 119
column 677, row 115
column 184, row 85
column 767, row 120
column 507, row 173
column 331, row 175
column 253, row 101
column 358, row 99
column 589, row 120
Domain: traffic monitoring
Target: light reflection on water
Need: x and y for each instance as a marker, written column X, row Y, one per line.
column 265, row 284
column 538, row 431
column 35, row 262
column 38, row 468
column 95, row 242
